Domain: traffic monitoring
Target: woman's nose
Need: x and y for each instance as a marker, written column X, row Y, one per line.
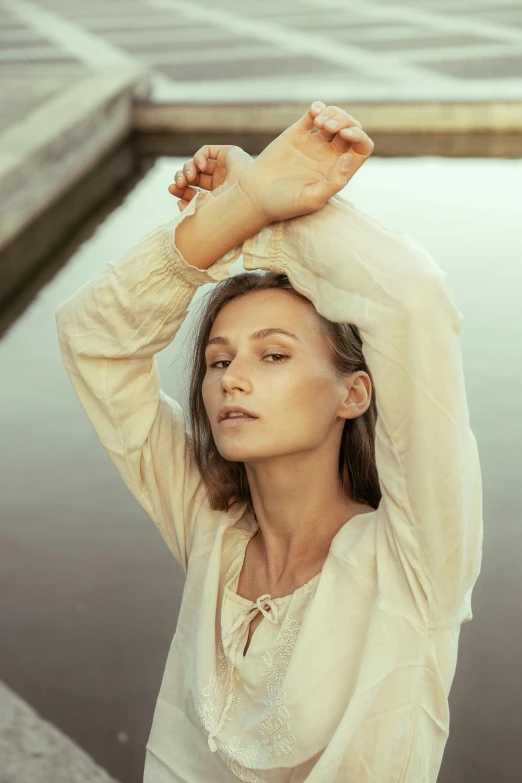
column 234, row 376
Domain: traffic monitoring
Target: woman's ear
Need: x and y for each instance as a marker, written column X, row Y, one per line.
column 358, row 396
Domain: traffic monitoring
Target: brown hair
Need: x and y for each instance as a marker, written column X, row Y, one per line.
column 226, row 481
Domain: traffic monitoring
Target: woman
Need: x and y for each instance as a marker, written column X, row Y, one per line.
column 341, row 522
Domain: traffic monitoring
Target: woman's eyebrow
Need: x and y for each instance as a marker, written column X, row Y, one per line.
column 259, row 335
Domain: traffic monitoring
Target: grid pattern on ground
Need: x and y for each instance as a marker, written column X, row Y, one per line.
column 31, row 69
column 433, row 48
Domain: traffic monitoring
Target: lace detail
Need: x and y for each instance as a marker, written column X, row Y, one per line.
column 275, row 728
column 209, row 704
column 275, row 731
column 240, row 761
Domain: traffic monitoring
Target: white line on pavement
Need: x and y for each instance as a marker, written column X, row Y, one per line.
column 465, row 23
column 368, row 64
column 185, row 31
column 83, row 46
column 226, row 53
column 332, row 89
column 105, row 23
column 460, row 53
column 27, row 53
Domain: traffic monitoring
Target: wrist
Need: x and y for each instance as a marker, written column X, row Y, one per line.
column 244, row 209
column 217, row 226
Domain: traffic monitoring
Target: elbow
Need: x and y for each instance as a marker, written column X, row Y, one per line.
column 430, row 298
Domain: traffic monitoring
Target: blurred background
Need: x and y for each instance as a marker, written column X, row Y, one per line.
column 102, row 102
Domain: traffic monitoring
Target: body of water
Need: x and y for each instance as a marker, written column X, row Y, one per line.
column 89, row 592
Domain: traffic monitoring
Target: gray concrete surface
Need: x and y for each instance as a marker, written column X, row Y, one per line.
column 244, row 50
column 43, row 155
column 47, row 152
column 32, row 750
column 407, row 67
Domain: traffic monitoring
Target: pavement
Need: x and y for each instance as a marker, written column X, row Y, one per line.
column 32, row 750
column 227, row 54
column 244, row 51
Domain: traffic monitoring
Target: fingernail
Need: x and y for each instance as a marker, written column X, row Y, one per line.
column 346, row 163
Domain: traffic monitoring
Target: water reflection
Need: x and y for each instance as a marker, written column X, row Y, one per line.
column 90, row 594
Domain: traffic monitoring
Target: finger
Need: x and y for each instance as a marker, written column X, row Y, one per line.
column 340, row 173
column 306, row 122
column 205, row 153
column 330, row 122
column 327, row 115
column 177, row 188
column 356, row 138
column 338, row 176
column 191, row 172
column 184, row 194
column 182, row 204
column 180, row 180
column 189, row 194
column 210, row 166
column 336, row 122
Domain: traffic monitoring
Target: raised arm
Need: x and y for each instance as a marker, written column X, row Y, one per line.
column 355, row 270
column 109, row 332
column 111, row 329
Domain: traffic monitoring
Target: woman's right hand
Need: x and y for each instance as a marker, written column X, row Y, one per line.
column 214, row 167
column 305, row 165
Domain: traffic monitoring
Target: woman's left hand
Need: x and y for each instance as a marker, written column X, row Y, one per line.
column 214, row 168
column 302, row 168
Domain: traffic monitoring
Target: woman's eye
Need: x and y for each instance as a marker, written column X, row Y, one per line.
column 280, row 358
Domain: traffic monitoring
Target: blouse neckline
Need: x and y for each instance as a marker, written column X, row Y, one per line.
column 233, row 582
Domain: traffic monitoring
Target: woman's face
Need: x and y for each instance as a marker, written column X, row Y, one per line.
column 297, row 399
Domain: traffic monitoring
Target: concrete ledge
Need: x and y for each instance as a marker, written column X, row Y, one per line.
column 396, row 118
column 38, row 252
column 55, row 146
column 32, row 750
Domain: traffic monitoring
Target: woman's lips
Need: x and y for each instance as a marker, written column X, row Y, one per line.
column 237, row 420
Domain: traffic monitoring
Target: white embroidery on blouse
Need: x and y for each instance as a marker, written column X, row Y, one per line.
column 275, row 731
column 209, row 704
column 239, row 760
column 275, row 728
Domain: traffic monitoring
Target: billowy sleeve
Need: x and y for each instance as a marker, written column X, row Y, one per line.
column 109, row 332
column 355, row 270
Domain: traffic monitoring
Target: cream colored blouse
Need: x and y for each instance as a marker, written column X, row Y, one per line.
column 346, row 679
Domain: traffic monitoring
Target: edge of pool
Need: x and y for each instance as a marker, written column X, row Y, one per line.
column 49, row 151
column 60, row 144
column 401, row 117
column 33, row 749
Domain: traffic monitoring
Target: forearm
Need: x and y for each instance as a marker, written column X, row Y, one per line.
column 216, row 227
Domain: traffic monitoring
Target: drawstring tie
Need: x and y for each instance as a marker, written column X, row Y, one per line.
column 271, row 613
